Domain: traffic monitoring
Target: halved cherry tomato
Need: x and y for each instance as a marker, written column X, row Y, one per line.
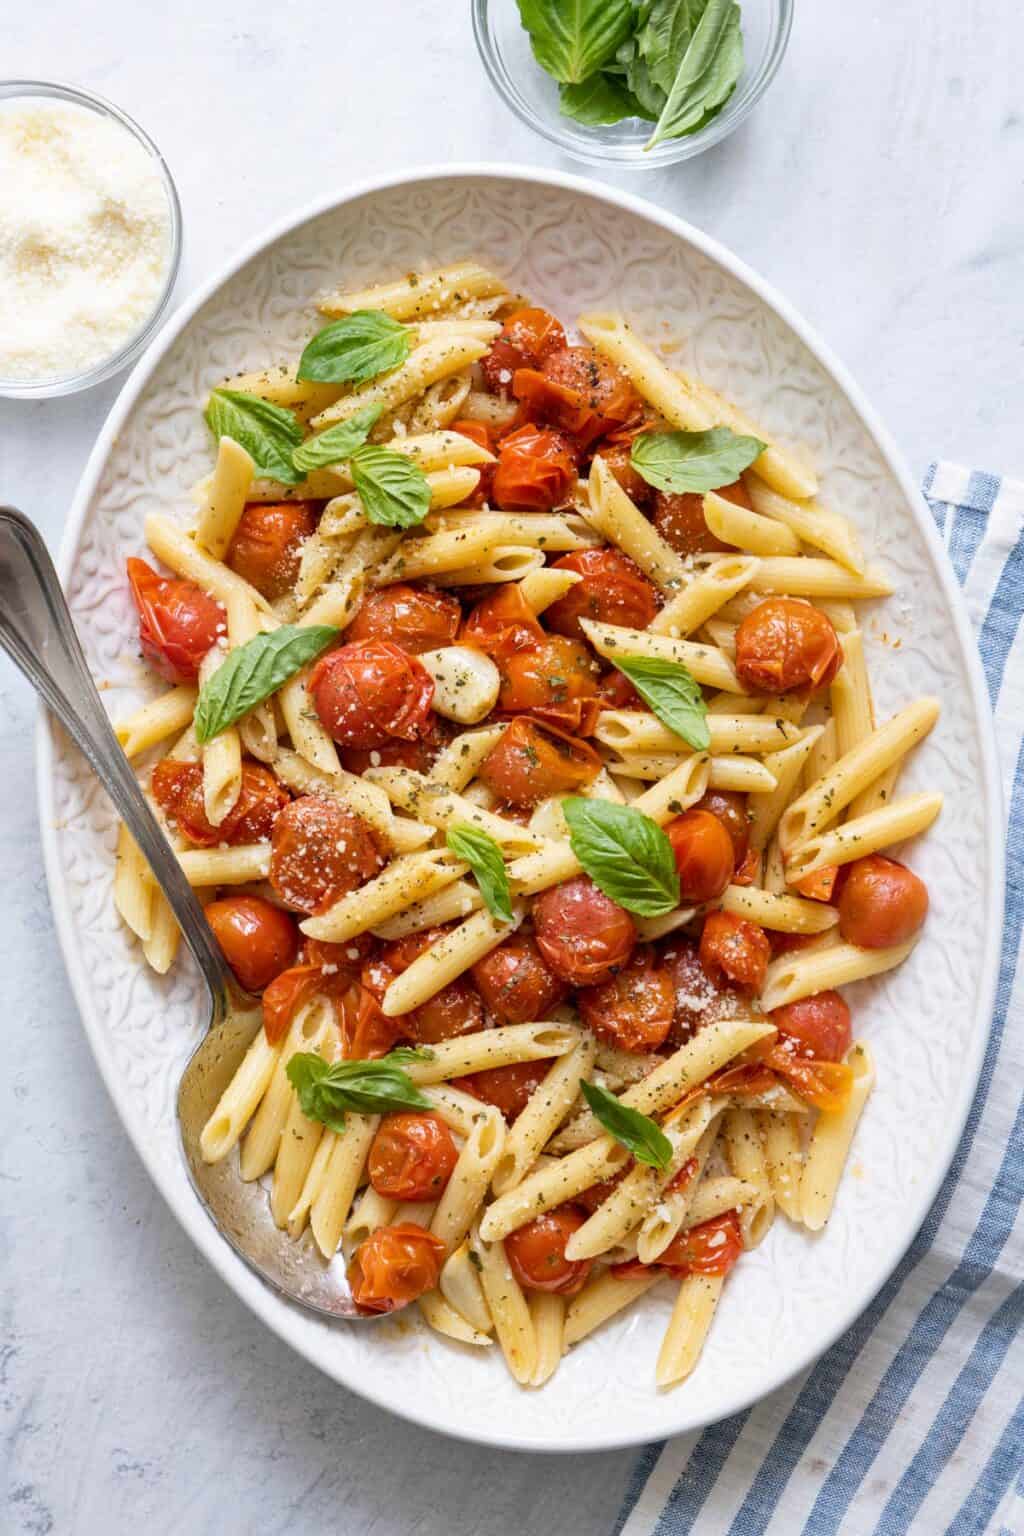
column 536, row 470
column 455, row 1010
column 527, row 338
column 704, row 855
column 613, row 590
column 481, row 434
column 580, row 392
column 178, row 623
column 679, row 518
column 259, row 941
column 582, row 934
column 784, row 644
column 394, row 1266
column 820, row 1025
column 502, row 623
column 734, row 950
column 553, row 681
column 509, row 1089
column 633, row 1010
column 731, row 810
column 410, row 617
column 411, row 1157
column 698, row 1000
column 536, row 1253
column 882, row 903
column 319, row 852
column 532, row 761
column 267, row 544
column 178, row 790
column 515, row 983
column 711, row 1248
column 369, row 693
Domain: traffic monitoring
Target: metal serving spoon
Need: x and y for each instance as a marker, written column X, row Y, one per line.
column 37, row 632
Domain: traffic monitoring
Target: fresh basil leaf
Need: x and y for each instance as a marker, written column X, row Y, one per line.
column 268, row 433
column 600, row 100
column 664, row 35
column 393, row 490
column 573, row 38
column 672, row 693
column 328, row 1090
column 637, row 1133
column 403, row 1054
column 484, row 858
column 254, row 671
column 338, row 442
column 693, row 461
column 707, row 75
column 650, row 96
column 625, row 853
column 359, row 346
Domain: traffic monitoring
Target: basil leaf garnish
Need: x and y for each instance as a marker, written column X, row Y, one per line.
column 625, row 853
column 693, row 461
column 674, row 695
column 707, row 75
column 268, row 433
column 393, row 490
column 664, row 36
column 573, row 38
column 338, row 442
column 484, row 858
column 327, row 1090
column 357, row 347
column 600, row 100
column 637, row 1133
column 254, row 671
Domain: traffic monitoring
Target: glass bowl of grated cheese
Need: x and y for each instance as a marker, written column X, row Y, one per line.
column 90, row 239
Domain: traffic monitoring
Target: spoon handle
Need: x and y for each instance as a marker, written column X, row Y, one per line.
column 37, row 633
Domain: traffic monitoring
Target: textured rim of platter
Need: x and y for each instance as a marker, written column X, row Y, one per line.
column 292, row 1324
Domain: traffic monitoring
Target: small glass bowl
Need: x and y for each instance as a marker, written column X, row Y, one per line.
column 517, row 77
column 69, row 384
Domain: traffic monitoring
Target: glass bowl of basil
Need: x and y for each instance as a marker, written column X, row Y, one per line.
column 632, row 82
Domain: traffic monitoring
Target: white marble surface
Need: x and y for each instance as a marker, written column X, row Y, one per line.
column 879, row 186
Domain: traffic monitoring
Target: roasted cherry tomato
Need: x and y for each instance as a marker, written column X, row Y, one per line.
column 553, row 681
column 411, row 1157
column 617, row 692
column 536, row 470
column 820, row 1025
column 612, row 590
column 580, row 392
column 394, row 1266
column 731, row 810
column 679, row 518
column 617, row 453
column 784, row 644
column 882, row 903
column 319, row 852
column 455, row 1010
column 515, row 983
column 509, row 1089
column 178, row 790
column 420, row 754
column 178, row 623
column 267, row 544
column 634, row 1009
column 536, row 1252
column 734, row 952
column 710, row 1249
column 259, row 941
column 366, row 1032
column 783, row 943
column 698, row 1000
column 527, row 338
column 332, row 969
column 704, row 854
column 503, row 623
column 410, row 617
column 532, row 761
column 370, row 693
column 582, row 934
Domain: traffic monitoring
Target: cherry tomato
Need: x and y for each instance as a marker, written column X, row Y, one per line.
column 783, row 943
column 825, row 1084
column 617, row 692
column 679, row 518
column 503, row 623
column 698, row 1000
column 411, row 1157
column 536, row 1253
column 420, row 754
column 709, row 1249
column 178, row 790
column 582, row 934
column 731, row 810
column 366, row 1032
column 481, row 434
column 734, row 950
column 267, row 544
column 748, row 871
column 704, row 854
column 515, row 983
column 580, row 392
column 259, row 941
column 820, row 1025
column 597, row 1194
column 612, row 590
column 882, row 903
column 784, row 644
column 634, row 1010
column 328, row 968
column 527, row 338
column 536, row 470
column 366, row 694
column 820, row 885
column 617, row 453
column 530, row 762
column 394, row 1266
column 410, row 617
column 319, row 852
column 455, row 1010
column 551, row 681
column 509, row 1089
column 178, row 623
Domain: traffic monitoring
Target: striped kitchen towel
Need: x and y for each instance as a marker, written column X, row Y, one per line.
column 914, row 1420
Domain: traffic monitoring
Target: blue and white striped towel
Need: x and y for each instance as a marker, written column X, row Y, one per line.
column 914, row 1420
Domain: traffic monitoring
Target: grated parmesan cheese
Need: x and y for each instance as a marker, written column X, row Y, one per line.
column 84, row 238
